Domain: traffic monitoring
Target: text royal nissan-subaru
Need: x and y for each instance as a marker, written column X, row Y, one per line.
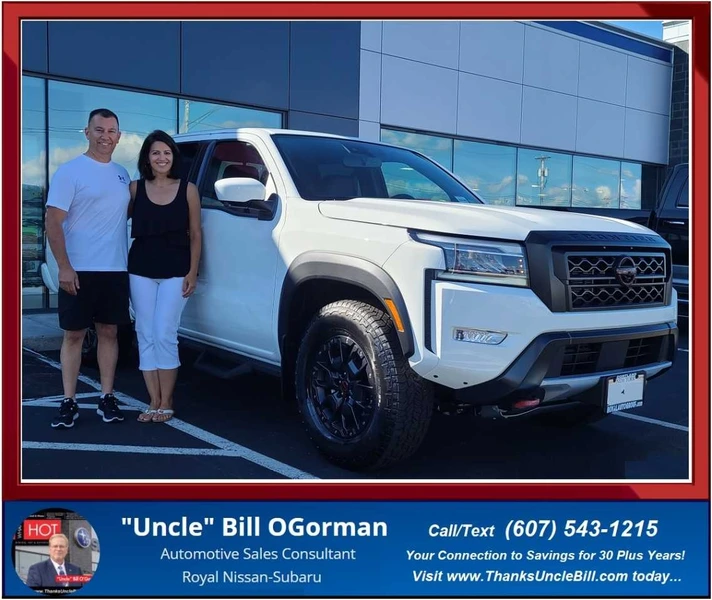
column 380, row 288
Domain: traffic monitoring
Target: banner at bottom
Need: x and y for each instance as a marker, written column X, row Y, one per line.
column 343, row 549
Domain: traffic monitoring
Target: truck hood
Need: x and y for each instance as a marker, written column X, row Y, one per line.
column 512, row 223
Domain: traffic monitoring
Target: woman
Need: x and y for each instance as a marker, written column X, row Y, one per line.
column 163, row 265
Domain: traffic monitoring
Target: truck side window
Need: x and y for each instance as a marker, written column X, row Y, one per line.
column 231, row 159
column 683, row 200
column 189, row 151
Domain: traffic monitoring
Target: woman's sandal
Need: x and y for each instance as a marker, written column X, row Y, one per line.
column 147, row 415
column 162, row 415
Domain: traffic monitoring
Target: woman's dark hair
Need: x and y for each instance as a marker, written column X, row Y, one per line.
column 144, row 164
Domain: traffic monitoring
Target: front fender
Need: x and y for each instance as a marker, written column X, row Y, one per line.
column 347, row 269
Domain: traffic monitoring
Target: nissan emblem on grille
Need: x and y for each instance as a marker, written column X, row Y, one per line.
column 626, row 271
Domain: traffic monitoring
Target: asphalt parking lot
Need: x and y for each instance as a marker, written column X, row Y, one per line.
column 242, row 430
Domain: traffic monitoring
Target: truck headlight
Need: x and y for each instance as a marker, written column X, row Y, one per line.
column 481, row 261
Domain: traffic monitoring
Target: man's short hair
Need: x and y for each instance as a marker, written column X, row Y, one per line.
column 58, row 535
column 103, row 112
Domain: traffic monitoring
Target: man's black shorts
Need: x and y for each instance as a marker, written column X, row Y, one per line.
column 103, row 297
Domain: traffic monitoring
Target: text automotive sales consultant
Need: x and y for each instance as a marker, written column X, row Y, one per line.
column 259, row 554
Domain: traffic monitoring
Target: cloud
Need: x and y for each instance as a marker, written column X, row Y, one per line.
column 33, row 170
column 604, row 194
column 125, row 153
column 522, row 179
column 630, row 196
column 418, row 142
column 498, row 187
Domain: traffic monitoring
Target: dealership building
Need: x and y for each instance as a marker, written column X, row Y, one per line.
column 537, row 113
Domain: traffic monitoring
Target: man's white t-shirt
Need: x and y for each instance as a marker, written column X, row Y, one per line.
column 95, row 196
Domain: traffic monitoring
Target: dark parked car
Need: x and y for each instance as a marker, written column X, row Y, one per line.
column 671, row 220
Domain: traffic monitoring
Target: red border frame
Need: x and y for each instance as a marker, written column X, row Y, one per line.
column 699, row 12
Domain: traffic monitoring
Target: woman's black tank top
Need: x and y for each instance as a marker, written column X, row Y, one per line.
column 161, row 246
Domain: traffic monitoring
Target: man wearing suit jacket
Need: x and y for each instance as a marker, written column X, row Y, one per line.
column 44, row 574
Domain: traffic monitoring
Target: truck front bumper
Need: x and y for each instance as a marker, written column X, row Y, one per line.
column 559, row 365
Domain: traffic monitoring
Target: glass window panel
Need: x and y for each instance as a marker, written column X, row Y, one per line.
column 652, row 177
column 543, row 178
column 631, row 185
column 434, row 147
column 139, row 114
column 596, row 182
column 34, row 178
column 204, row 116
column 488, row 169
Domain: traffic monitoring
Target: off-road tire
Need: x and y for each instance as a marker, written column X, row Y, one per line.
column 401, row 401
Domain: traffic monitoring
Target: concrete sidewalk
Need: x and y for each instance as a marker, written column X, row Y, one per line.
column 41, row 332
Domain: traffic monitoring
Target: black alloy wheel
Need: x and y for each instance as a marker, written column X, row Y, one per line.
column 340, row 388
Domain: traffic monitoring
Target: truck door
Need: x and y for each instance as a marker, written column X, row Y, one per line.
column 232, row 306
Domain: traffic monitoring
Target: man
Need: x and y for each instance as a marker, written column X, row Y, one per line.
column 86, row 228
column 44, row 574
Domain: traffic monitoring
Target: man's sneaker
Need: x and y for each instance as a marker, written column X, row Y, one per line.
column 68, row 413
column 109, row 410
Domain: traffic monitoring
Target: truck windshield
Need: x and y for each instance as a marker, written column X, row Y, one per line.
column 326, row 168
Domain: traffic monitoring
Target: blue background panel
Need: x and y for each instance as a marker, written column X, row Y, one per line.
column 239, row 62
column 324, row 72
column 325, row 124
column 143, row 54
column 34, row 46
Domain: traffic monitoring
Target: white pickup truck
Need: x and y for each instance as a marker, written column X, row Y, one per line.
column 381, row 288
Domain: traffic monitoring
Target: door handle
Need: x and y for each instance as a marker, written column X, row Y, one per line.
column 674, row 222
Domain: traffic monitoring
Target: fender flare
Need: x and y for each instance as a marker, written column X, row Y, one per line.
column 347, row 269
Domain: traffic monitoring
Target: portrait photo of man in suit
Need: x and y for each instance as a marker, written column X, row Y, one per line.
column 43, row 574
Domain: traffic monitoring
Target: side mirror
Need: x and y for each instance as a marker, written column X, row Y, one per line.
column 239, row 189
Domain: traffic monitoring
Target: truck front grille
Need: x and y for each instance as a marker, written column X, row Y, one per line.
column 580, row 359
column 588, row 358
column 593, row 280
column 643, row 351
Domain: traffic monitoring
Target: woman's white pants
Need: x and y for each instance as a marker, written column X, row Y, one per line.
column 157, row 304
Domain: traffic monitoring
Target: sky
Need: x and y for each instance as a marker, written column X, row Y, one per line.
column 649, row 28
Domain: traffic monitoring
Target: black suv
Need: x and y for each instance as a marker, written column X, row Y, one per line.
column 671, row 219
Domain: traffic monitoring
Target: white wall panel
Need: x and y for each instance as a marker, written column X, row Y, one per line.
column 371, row 35
column 602, row 75
column 489, row 108
column 417, row 95
column 368, row 130
column 648, row 86
column 432, row 42
column 600, row 128
column 548, row 119
column 550, row 61
column 646, row 136
column 370, row 86
column 493, row 48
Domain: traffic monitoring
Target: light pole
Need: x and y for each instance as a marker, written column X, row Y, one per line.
column 542, row 174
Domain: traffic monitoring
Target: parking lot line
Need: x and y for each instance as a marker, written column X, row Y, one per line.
column 129, row 449
column 49, row 403
column 652, row 421
column 234, row 449
column 56, row 399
